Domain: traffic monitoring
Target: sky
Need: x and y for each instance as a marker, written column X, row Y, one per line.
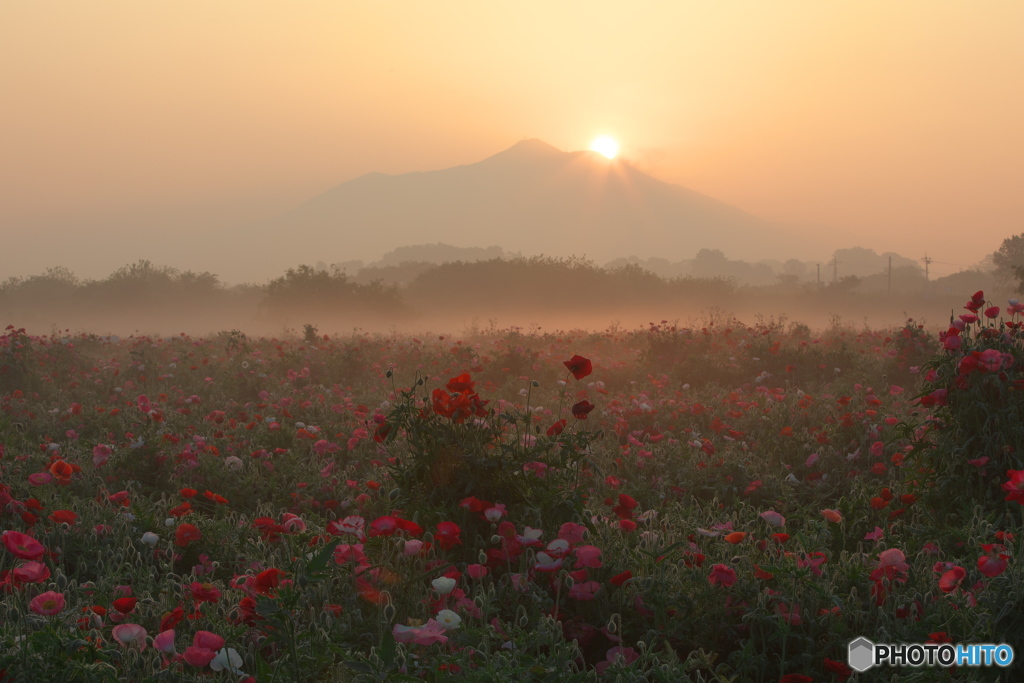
column 136, row 129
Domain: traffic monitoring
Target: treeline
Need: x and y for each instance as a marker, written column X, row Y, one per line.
column 551, row 292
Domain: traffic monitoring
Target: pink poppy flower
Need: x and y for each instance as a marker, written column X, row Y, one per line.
column 588, row 556
column 198, row 656
column 292, row 522
column 993, row 564
column 495, row 513
column 834, row 516
column 31, row 572
column 207, row 640
column 47, row 604
column 40, row 478
column 952, row 579
column 547, row 563
column 790, row 615
column 352, row 525
column 428, row 634
column 22, row 545
column 722, row 575
column 625, row 655
column 165, row 642
column 584, row 590
column 130, row 635
column 572, row 532
column 384, row 526
column 773, row 518
column 349, row 553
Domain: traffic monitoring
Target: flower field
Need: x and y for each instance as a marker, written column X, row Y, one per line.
column 718, row 503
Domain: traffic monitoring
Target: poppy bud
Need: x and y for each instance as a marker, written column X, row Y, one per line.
column 389, row 374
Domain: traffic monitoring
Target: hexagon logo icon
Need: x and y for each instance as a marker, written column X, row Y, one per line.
column 861, row 654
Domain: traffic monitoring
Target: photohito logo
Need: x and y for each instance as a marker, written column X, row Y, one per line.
column 862, row 654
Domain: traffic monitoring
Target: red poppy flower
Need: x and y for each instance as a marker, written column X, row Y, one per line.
column 840, row 669
column 448, row 535
column 63, row 517
column 125, row 605
column 722, row 575
column 582, row 409
column 62, row 470
column 952, row 579
column 180, row 510
column 185, row 534
column 579, row 366
column 1015, row 486
column 556, row 429
column 204, row 592
column 267, row 580
column 461, row 384
column 622, row 578
column 172, row 618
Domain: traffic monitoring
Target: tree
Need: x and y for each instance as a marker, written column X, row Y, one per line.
column 795, row 268
column 1009, row 261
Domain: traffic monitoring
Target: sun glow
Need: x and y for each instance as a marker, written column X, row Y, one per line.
column 605, row 145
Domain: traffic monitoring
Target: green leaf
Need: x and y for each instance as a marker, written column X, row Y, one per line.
column 361, row 667
column 387, row 648
column 266, row 607
column 319, row 562
column 667, row 550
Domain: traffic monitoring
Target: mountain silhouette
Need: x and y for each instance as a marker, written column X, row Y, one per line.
column 531, row 198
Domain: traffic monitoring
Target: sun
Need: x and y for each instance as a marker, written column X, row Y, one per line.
column 605, row 145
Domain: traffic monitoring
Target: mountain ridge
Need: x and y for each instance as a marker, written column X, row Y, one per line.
column 530, row 198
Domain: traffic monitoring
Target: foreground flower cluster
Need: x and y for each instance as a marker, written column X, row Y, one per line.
column 668, row 504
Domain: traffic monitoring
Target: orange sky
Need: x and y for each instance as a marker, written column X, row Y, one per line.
column 899, row 124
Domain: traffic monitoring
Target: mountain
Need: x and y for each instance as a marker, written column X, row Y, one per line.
column 531, row 198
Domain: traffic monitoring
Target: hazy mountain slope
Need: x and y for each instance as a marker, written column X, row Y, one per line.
column 530, row 198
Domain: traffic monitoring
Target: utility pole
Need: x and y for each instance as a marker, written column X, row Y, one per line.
column 890, row 275
column 819, row 275
column 835, row 269
column 927, row 260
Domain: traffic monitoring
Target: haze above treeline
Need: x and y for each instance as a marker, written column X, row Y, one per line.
column 438, row 287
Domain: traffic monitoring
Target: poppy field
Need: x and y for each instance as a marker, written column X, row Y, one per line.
column 716, row 502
